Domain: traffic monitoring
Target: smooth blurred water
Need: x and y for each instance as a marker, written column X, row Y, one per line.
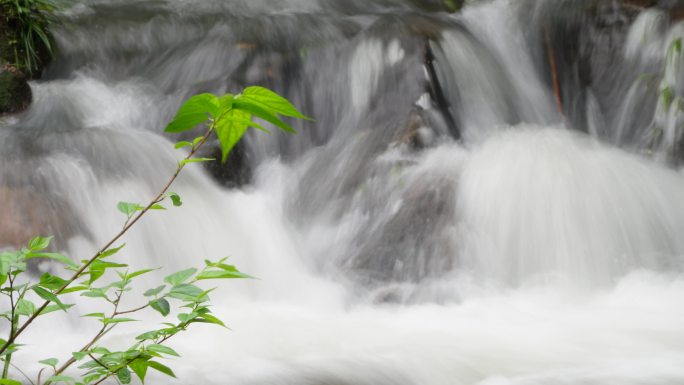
column 402, row 238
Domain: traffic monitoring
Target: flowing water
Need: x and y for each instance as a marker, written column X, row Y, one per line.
column 442, row 221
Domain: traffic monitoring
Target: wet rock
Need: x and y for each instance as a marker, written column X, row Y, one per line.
column 27, row 214
column 15, row 93
column 236, row 171
column 440, row 5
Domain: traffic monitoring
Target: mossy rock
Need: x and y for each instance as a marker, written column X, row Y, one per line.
column 15, row 93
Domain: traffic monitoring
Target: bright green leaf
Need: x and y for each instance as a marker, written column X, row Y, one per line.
column 139, row 367
column 195, row 160
column 164, row 369
column 108, row 321
column 39, row 243
column 194, row 112
column 52, row 282
column 162, row 350
column 221, row 274
column 55, row 256
column 182, row 144
column 128, row 208
column 258, row 110
column 48, row 296
column 110, row 252
column 230, row 129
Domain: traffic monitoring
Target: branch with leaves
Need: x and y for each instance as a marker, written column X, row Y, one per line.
column 228, row 116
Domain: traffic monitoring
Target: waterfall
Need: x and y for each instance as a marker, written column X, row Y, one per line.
column 441, row 222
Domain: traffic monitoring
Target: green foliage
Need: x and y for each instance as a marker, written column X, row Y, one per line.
column 230, row 116
column 180, row 295
column 31, row 20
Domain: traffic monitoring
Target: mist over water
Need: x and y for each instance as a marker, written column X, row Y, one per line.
column 441, row 222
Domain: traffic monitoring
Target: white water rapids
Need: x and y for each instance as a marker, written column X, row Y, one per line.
column 526, row 253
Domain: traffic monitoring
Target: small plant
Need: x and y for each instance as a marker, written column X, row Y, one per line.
column 31, row 20
column 228, row 117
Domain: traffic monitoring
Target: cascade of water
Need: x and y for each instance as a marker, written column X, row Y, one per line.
column 440, row 223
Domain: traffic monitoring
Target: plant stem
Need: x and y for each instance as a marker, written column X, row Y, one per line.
column 158, row 198
column 13, row 324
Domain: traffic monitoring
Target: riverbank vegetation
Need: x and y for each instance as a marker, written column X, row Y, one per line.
column 227, row 117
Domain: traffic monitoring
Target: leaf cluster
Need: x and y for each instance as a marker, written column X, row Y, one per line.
column 230, row 116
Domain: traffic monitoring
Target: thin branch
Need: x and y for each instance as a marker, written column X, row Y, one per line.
column 551, row 56
column 132, row 310
column 109, row 244
column 103, row 331
column 98, row 361
column 13, row 323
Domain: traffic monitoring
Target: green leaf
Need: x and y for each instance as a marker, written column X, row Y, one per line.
column 53, row 308
column 195, row 160
column 124, row 375
column 54, row 256
column 180, row 277
column 52, row 282
column 226, row 102
column 182, row 144
column 108, row 321
column 221, row 274
column 48, row 296
column 139, row 367
column 139, row 273
column 194, row 112
column 7, row 381
column 78, row 356
column 96, row 315
column 100, row 350
column 162, row 350
column 95, row 293
column 98, row 268
column 161, row 305
column 153, row 292
column 25, row 307
column 186, row 318
column 164, row 369
column 39, row 243
column 211, row 319
column 50, row 362
column 259, row 111
column 230, row 129
column 176, row 199
column 157, row 206
column 272, row 101
column 74, row 289
column 149, row 335
column 128, row 208
column 95, row 376
column 185, row 292
column 110, row 252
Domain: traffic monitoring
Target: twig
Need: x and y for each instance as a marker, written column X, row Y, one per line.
column 554, row 71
